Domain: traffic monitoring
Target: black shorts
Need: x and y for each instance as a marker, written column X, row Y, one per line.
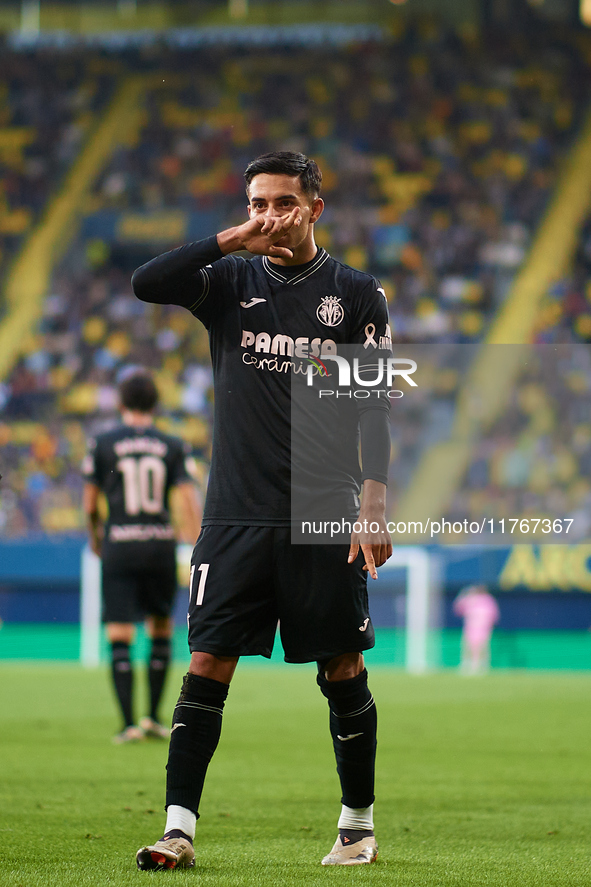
column 131, row 593
column 244, row 580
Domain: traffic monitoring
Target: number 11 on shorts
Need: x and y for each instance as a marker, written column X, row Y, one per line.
column 202, row 568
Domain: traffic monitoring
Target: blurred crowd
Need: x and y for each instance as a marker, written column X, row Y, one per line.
column 535, row 461
column 439, row 153
column 48, row 104
column 565, row 316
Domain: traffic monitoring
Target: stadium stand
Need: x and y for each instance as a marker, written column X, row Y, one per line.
column 566, row 316
column 440, row 152
column 534, row 461
column 48, row 105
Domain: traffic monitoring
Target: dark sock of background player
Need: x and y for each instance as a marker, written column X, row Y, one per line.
column 157, row 670
column 122, row 675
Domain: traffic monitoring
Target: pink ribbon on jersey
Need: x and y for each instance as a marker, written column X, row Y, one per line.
column 369, row 331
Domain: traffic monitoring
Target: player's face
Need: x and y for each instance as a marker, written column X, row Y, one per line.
column 278, row 195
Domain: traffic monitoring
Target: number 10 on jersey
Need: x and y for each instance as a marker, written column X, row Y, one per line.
column 203, row 569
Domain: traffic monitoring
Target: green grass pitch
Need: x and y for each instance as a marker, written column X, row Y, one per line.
column 481, row 781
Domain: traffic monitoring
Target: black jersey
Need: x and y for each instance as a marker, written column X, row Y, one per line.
column 136, row 468
column 265, row 321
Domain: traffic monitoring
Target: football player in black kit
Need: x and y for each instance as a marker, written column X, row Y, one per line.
column 136, row 466
column 264, row 314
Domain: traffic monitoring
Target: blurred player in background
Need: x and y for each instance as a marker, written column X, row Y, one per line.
column 136, row 466
column 246, row 575
column 480, row 612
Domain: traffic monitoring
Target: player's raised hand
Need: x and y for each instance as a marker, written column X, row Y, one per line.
column 260, row 234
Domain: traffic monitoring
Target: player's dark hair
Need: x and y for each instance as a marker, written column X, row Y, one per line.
column 138, row 392
column 287, row 163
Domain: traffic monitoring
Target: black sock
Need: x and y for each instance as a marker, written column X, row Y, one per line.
column 353, row 726
column 176, row 833
column 196, row 728
column 157, row 670
column 352, row 835
column 122, row 674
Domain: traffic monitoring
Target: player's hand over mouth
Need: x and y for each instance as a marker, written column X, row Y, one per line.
column 260, row 234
